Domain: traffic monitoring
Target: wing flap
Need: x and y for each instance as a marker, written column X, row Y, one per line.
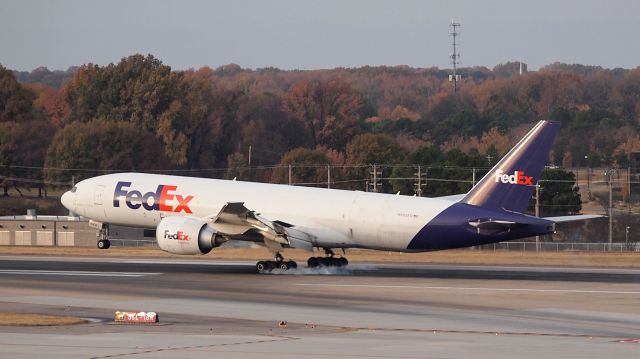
column 235, row 219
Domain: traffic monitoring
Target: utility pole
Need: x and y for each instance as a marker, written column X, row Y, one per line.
column 249, row 156
column 419, row 184
column 73, row 184
column 454, row 56
column 473, row 178
column 328, row 176
column 289, row 174
column 375, row 174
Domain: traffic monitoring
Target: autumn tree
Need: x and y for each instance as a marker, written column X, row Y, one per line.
column 330, row 110
column 24, row 135
column 16, row 102
column 23, row 147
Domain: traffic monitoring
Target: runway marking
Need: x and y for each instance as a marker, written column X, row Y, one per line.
column 74, row 273
column 185, row 262
column 584, row 291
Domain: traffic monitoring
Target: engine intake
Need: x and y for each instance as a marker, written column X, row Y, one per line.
column 187, row 235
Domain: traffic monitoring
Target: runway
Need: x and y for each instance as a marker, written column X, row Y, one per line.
column 210, row 307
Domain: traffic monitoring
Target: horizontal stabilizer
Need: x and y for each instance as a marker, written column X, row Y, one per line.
column 453, row 198
column 578, row 217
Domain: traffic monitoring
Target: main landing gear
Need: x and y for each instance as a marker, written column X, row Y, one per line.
column 328, row 261
column 279, row 264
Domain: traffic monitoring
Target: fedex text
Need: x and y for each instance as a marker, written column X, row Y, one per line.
column 163, row 199
column 518, row 177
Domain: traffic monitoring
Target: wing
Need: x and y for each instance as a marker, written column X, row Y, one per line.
column 236, row 220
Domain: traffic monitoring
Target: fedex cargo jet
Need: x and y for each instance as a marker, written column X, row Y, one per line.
column 195, row 215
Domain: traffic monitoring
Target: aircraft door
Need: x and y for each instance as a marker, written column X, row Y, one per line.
column 363, row 219
column 98, row 199
column 97, row 195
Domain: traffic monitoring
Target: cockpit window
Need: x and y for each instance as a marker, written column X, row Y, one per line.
column 73, row 190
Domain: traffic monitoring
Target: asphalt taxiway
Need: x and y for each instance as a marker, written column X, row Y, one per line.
column 224, row 308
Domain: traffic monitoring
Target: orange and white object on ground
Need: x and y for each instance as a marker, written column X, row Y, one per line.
column 136, row 317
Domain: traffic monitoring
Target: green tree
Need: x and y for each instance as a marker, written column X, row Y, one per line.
column 559, row 194
column 307, row 166
column 102, row 145
column 369, row 149
column 145, row 93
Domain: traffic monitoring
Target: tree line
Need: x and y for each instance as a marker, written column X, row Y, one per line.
column 139, row 114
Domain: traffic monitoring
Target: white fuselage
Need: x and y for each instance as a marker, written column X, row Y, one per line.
column 335, row 218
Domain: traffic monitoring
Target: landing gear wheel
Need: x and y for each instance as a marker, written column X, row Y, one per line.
column 328, row 261
column 279, row 264
column 313, row 262
column 104, row 244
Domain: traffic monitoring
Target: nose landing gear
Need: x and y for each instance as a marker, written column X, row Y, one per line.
column 103, row 235
column 104, row 244
column 279, row 264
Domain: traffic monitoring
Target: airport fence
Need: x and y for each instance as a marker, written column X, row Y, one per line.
column 502, row 246
column 115, row 242
column 559, row 247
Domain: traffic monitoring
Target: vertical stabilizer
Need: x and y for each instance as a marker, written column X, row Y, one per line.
column 511, row 183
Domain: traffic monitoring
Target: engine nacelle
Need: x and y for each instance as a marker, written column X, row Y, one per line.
column 187, row 235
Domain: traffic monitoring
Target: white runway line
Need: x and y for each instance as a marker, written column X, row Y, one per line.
column 74, row 273
column 585, row 291
column 185, row 262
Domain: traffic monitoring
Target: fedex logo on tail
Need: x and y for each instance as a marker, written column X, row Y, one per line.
column 163, row 199
column 518, row 177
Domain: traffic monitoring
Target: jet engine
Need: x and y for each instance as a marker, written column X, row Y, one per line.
column 187, row 235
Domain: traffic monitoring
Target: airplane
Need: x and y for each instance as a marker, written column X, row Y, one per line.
column 196, row 215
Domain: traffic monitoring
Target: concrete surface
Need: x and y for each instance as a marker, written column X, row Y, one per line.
column 224, row 309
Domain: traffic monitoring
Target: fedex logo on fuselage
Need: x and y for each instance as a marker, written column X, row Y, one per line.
column 163, row 199
column 518, row 177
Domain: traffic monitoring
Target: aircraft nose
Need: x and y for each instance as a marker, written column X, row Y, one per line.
column 67, row 200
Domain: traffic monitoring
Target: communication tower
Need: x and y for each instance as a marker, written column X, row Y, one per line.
column 454, row 56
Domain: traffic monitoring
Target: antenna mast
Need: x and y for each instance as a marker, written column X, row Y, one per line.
column 454, row 56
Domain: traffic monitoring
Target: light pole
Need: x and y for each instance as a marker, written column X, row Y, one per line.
column 586, row 158
column 609, row 177
column 626, row 236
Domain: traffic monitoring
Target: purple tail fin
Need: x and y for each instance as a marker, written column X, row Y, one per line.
column 511, row 183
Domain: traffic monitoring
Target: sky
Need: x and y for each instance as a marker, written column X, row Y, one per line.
column 303, row 34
